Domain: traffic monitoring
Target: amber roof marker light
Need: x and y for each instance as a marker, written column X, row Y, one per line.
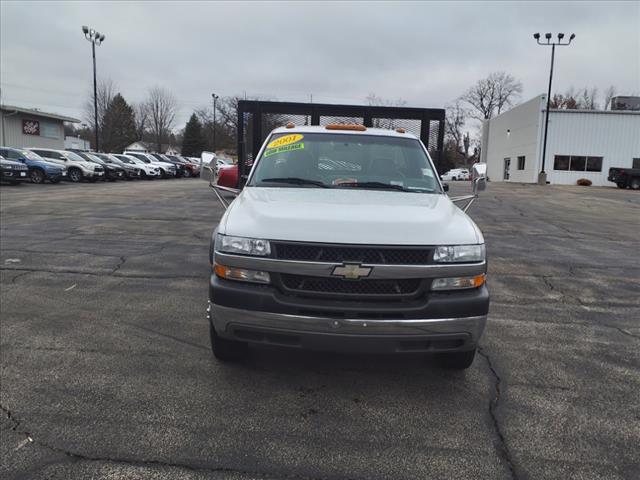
column 340, row 126
column 400, row 130
column 289, row 125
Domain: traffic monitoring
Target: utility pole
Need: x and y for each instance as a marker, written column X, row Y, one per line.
column 542, row 176
column 214, row 97
column 96, row 38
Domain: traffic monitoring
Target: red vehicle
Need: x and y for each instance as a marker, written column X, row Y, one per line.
column 228, row 176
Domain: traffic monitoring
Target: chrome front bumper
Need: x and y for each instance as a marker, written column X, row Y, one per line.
column 345, row 333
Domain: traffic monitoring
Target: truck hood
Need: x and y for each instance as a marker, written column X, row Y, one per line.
column 355, row 216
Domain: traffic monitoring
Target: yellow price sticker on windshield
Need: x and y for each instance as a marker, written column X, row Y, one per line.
column 285, row 140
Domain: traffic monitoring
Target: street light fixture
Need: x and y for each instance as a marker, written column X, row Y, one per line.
column 96, row 38
column 542, row 176
column 214, row 97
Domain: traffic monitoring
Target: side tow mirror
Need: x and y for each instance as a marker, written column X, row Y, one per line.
column 479, row 176
column 219, row 189
column 445, row 187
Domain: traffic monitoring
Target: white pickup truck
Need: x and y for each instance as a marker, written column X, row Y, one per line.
column 344, row 238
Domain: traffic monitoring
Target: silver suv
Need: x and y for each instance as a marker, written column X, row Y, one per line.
column 78, row 168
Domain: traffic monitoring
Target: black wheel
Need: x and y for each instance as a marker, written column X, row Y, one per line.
column 187, row 173
column 455, row 179
column 456, row 360
column 36, row 175
column 621, row 185
column 635, row 184
column 227, row 350
column 163, row 174
column 75, row 175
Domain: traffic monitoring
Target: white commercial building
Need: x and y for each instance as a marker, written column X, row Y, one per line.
column 25, row 127
column 580, row 143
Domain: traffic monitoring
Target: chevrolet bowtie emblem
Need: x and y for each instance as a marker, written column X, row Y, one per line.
column 352, row 271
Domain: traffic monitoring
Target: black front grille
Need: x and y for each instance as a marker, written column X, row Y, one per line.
column 301, row 283
column 340, row 253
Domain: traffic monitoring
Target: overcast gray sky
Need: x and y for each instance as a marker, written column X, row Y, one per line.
column 425, row 53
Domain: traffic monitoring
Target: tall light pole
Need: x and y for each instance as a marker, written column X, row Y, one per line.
column 542, row 176
column 96, row 38
column 214, row 97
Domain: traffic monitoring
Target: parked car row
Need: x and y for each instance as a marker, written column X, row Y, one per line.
column 38, row 165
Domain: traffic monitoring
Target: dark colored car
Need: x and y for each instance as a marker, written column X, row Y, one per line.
column 111, row 162
column 39, row 169
column 112, row 172
column 188, row 168
column 13, row 172
column 625, row 177
column 180, row 169
column 130, row 169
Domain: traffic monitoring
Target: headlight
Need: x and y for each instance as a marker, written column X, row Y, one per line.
column 459, row 253
column 242, row 245
column 458, row 283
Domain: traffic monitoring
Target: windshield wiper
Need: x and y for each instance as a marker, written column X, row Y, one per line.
column 380, row 185
column 295, row 181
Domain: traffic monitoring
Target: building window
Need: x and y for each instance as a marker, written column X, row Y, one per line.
column 636, row 163
column 561, row 162
column 577, row 163
column 49, row 130
column 594, row 164
column 521, row 163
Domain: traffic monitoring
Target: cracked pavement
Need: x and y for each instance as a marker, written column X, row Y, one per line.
column 106, row 370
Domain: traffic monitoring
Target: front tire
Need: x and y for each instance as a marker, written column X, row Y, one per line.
column 37, row 176
column 227, row 350
column 635, row 184
column 187, row 173
column 621, row 185
column 75, row 175
column 456, row 360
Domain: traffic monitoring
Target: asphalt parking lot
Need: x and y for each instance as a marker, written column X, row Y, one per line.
column 106, row 370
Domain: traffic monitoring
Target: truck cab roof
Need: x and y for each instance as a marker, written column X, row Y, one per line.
column 323, row 129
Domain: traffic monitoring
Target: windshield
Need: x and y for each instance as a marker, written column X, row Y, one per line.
column 102, row 156
column 124, row 159
column 89, row 157
column 141, row 158
column 345, row 161
column 74, row 157
column 30, row 155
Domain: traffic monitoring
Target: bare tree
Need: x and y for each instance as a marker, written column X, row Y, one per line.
column 375, row 101
column 141, row 118
column 609, row 93
column 588, row 99
column 161, row 107
column 583, row 99
column 491, row 95
column 107, row 89
column 455, row 119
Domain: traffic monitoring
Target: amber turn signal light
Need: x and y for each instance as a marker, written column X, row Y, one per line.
column 346, row 126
